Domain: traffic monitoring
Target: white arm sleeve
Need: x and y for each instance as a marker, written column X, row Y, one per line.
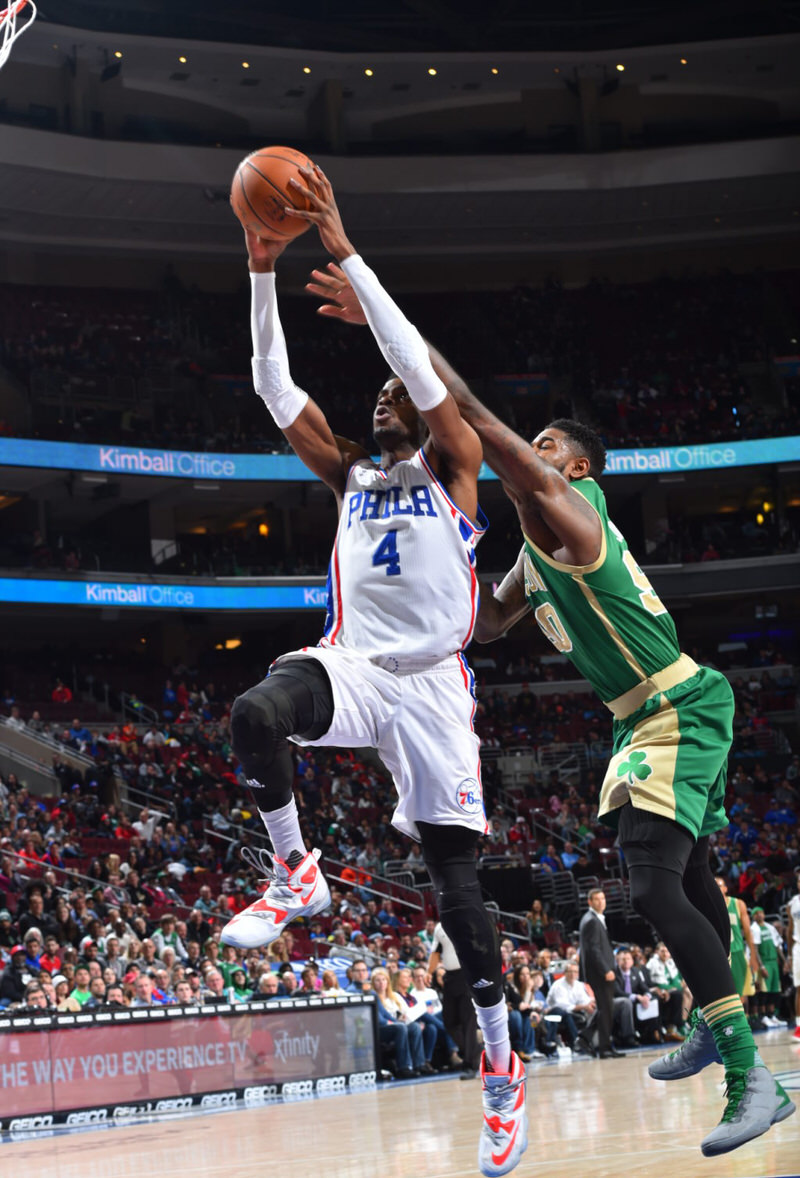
column 403, row 348
column 271, row 376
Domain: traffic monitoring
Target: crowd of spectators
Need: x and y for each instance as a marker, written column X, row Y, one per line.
column 666, row 361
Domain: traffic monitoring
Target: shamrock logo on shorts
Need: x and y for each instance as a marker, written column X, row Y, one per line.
column 635, row 767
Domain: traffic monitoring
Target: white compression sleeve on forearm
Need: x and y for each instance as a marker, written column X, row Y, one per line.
column 404, row 349
column 271, row 376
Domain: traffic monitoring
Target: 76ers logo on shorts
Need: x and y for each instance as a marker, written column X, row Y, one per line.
column 469, row 796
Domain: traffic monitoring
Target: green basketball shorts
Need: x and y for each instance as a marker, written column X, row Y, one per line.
column 671, row 755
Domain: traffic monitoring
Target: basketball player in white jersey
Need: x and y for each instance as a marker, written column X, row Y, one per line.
column 793, row 954
column 389, row 671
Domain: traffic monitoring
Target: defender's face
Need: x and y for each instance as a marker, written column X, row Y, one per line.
column 552, row 446
column 395, row 418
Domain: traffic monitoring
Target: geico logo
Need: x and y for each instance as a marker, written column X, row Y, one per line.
column 331, row 1084
column 27, row 1124
column 124, row 1112
column 218, row 1100
column 297, row 1089
column 362, row 1080
column 174, row 1106
column 262, row 1094
column 90, row 1116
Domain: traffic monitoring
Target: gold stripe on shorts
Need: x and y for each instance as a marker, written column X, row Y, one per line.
column 658, row 737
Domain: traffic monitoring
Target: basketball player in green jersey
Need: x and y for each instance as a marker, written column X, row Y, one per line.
column 770, row 952
column 743, row 972
column 665, row 783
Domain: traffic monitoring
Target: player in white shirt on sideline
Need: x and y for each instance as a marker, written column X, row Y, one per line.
column 793, row 951
column 389, row 671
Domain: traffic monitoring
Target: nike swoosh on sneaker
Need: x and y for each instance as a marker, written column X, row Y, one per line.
column 498, row 1159
column 262, row 906
column 303, row 898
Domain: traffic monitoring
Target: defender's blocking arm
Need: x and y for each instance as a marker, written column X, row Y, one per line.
column 498, row 613
column 551, row 511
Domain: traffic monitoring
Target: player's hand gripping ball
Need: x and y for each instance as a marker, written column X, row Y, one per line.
column 260, row 192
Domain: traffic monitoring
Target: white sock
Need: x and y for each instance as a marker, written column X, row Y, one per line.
column 493, row 1021
column 283, row 828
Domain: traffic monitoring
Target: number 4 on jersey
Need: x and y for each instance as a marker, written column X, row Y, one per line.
column 386, row 553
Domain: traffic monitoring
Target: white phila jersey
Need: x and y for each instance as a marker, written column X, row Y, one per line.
column 402, row 587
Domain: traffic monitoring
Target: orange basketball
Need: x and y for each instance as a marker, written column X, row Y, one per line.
column 260, row 191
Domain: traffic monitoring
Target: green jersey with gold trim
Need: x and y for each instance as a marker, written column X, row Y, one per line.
column 605, row 617
column 737, row 936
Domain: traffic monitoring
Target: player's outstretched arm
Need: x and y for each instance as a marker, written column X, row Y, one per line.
column 498, row 613
column 302, row 421
column 551, row 511
column 402, row 346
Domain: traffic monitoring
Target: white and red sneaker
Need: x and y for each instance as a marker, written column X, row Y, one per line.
column 504, row 1136
column 291, row 892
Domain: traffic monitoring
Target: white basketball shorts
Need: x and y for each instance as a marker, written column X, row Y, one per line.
column 796, row 963
column 419, row 722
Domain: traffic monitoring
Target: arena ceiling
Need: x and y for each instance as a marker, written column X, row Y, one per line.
column 445, row 25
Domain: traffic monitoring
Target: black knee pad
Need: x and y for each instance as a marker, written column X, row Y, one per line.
column 258, row 722
column 295, row 700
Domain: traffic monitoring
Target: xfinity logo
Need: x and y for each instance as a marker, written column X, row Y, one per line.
column 290, row 1046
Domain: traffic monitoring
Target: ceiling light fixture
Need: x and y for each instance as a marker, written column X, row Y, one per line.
column 621, row 68
column 432, row 72
column 182, row 60
column 306, row 69
column 368, row 72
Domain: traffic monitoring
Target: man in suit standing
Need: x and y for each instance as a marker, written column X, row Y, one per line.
column 597, row 969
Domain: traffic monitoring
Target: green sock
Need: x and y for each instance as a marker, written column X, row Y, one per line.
column 732, row 1035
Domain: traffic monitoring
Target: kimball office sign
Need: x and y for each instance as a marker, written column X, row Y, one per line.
column 178, row 595
column 188, row 464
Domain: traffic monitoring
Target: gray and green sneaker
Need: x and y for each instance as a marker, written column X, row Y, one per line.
column 755, row 1102
column 696, row 1052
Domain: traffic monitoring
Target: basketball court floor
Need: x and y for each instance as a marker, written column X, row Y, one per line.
column 588, row 1118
